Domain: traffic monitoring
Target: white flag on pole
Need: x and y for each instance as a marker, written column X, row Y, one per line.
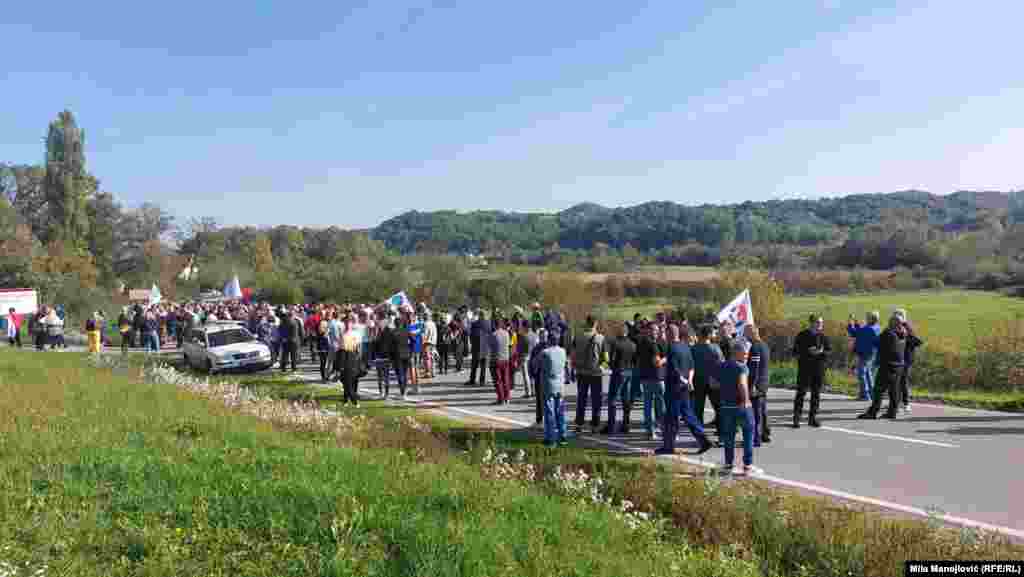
column 154, row 296
column 233, row 290
column 740, row 312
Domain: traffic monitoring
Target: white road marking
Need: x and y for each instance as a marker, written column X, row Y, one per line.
column 892, row 437
column 951, row 519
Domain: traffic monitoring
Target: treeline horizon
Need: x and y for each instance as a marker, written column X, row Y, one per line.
column 62, row 232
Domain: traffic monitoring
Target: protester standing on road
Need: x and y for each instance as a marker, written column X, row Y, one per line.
column 589, row 358
column 54, row 328
column 443, row 343
column 383, row 344
column 737, row 408
column 13, row 328
column 553, row 363
column 291, row 339
column 707, row 357
column 92, row 332
column 429, row 344
column 678, row 383
column 865, row 346
column 620, row 386
column 323, row 347
column 500, row 352
column 913, row 343
column 536, row 370
column 124, row 327
column 758, row 363
column 348, row 363
column 401, row 354
column 650, row 359
column 812, row 349
column 527, row 341
column 891, row 358
column 479, row 333
column 457, row 336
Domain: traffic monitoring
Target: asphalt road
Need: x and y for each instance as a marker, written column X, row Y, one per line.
column 963, row 464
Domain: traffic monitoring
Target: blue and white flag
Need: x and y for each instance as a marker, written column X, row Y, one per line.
column 232, row 289
column 399, row 300
column 154, row 296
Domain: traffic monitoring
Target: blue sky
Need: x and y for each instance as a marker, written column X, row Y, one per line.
column 340, row 113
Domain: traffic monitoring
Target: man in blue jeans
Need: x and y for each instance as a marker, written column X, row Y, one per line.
column 865, row 346
column 553, row 363
column 650, row 368
column 678, row 383
column 737, row 409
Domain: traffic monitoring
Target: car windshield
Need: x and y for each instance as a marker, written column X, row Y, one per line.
column 229, row 337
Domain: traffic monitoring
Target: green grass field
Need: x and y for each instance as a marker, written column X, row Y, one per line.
column 943, row 315
column 101, row 474
column 947, row 315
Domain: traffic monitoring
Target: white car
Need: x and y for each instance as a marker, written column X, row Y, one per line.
column 224, row 346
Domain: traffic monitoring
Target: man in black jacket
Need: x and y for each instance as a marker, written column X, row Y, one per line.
column 758, row 363
column 892, row 349
column 401, row 354
column 811, row 348
column 913, row 343
column 620, row 387
column 479, row 330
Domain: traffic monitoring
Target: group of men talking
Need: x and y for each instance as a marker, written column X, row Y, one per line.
column 671, row 371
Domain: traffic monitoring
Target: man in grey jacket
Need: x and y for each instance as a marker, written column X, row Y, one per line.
column 589, row 358
column 293, row 334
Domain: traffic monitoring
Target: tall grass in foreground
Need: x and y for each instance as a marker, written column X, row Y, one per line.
column 102, row 474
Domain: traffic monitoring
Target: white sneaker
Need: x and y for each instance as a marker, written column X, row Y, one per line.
column 906, row 409
column 752, row 471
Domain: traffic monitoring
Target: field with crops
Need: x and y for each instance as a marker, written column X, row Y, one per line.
column 951, row 316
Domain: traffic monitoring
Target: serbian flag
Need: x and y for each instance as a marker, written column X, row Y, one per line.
column 739, row 311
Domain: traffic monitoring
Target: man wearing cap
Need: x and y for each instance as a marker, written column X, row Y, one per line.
column 892, row 349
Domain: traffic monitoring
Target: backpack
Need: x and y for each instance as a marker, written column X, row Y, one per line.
column 591, row 361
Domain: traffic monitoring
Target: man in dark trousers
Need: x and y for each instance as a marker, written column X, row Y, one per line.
column 892, row 346
column 589, row 357
column 401, row 354
column 913, row 343
column 620, row 387
column 811, row 349
column 478, row 331
column 292, row 336
column 757, row 362
column 679, row 381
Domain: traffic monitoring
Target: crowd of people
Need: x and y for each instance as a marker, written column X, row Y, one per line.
column 671, row 368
